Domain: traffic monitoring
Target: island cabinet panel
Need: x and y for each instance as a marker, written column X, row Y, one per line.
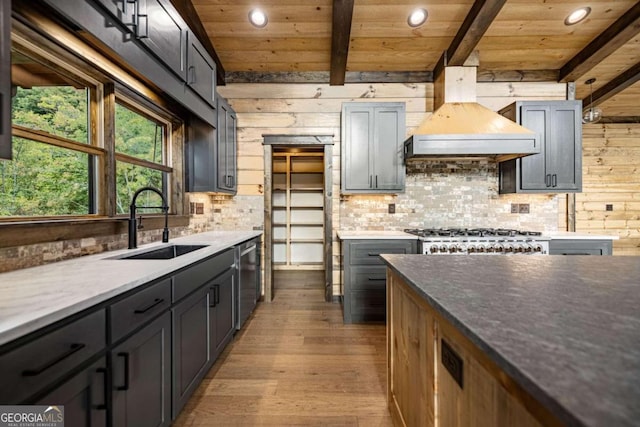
column 437, row 376
column 580, row 247
column 411, row 375
column 5, row 79
column 84, row 397
column 558, row 166
column 365, row 277
column 141, row 377
column 372, row 147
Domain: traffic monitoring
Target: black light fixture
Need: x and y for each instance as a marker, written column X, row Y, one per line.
column 258, row 18
column 577, row 15
column 591, row 114
column 417, row 17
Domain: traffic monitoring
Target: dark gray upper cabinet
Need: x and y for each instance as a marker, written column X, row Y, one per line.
column 226, row 148
column 221, row 316
column 5, row 79
column 162, row 30
column 141, row 377
column 201, row 70
column 558, row 167
column 84, row 397
column 372, row 147
column 201, row 152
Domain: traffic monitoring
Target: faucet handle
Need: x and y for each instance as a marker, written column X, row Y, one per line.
column 140, row 226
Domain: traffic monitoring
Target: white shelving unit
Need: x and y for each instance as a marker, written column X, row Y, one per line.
column 298, row 216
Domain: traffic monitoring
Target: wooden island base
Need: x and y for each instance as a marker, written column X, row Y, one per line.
column 438, row 377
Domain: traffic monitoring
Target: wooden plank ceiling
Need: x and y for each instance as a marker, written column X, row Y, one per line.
column 516, row 40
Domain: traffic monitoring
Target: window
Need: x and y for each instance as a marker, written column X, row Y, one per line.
column 78, row 152
column 52, row 171
column 140, row 145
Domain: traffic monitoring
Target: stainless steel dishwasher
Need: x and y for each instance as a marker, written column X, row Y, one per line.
column 249, row 276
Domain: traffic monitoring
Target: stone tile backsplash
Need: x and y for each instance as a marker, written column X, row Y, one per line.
column 461, row 193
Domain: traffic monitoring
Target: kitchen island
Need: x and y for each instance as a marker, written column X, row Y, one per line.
column 513, row 340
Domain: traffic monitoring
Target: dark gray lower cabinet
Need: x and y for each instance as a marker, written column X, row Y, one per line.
column 221, row 312
column 191, row 356
column 141, row 377
column 84, row 397
column 580, row 247
column 365, row 277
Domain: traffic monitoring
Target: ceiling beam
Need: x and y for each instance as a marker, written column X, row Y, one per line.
column 340, row 37
column 614, row 87
column 477, row 22
column 619, row 119
column 618, row 33
column 188, row 12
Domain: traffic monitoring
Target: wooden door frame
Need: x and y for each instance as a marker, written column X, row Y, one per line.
column 298, row 141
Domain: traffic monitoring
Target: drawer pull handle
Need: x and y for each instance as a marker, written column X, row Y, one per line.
column 103, row 371
column 216, row 295
column 72, row 349
column 372, row 279
column 149, row 307
column 374, row 254
column 125, row 387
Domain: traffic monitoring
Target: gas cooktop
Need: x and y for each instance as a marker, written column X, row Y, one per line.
column 471, row 232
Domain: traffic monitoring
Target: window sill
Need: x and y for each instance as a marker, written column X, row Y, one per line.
column 22, row 232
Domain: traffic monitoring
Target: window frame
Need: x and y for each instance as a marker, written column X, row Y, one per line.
column 108, row 78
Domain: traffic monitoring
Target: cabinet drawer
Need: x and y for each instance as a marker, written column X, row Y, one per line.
column 197, row 275
column 368, row 306
column 367, row 253
column 139, row 308
column 369, row 277
column 33, row 366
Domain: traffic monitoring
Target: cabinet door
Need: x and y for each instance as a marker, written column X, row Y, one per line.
column 141, row 368
column 160, row 28
column 534, row 174
column 222, row 325
column 201, row 71
column 564, row 156
column 201, row 143
column 83, row 397
column 357, row 137
column 190, row 345
column 226, row 154
column 387, row 158
column 5, row 79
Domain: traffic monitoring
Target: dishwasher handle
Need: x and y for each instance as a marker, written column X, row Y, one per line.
column 248, row 249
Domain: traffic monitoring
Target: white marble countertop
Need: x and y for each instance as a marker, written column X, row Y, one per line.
column 35, row 297
column 568, row 235
column 373, row 234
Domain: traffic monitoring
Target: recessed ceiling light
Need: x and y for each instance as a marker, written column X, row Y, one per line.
column 258, row 18
column 577, row 16
column 417, row 18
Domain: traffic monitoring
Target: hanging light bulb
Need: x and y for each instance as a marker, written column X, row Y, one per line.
column 591, row 114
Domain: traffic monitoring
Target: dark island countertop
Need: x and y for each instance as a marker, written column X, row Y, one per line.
column 567, row 329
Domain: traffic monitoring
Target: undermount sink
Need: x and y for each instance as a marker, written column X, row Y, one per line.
column 165, row 252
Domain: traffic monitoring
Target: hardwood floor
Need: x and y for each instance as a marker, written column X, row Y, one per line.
column 296, row 364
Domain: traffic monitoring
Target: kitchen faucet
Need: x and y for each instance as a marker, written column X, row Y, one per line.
column 133, row 224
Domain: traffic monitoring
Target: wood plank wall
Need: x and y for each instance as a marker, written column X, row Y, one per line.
column 611, row 176
column 272, row 108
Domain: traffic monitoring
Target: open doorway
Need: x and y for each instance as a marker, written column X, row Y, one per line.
column 298, row 238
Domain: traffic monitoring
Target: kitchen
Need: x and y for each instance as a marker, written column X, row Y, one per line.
column 463, row 193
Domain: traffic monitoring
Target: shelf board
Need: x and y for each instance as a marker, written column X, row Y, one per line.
column 307, row 189
column 307, row 241
column 307, row 208
column 307, row 224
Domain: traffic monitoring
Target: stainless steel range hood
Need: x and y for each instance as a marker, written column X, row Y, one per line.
column 460, row 127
